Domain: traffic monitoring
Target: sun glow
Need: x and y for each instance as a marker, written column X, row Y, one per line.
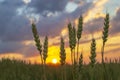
column 54, row 61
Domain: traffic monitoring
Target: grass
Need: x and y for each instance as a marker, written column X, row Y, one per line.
column 21, row 70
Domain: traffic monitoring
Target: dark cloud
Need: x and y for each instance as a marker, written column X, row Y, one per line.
column 10, row 47
column 18, row 29
column 52, row 26
column 17, row 47
column 11, row 26
column 48, row 5
column 14, row 28
column 94, row 25
column 97, row 24
column 115, row 23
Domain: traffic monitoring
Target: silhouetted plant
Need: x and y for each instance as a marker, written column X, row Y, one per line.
column 93, row 53
column 79, row 33
column 80, row 62
column 75, row 71
column 105, row 34
column 70, row 40
column 37, row 40
column 62, row 59
column 74, row 41
column 92, row 58
column 45, row 51
column 62, row 52
column 45, row 54
column 80, row 66
column 104, row 38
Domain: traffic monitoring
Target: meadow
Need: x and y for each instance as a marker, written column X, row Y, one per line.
column 21, row 70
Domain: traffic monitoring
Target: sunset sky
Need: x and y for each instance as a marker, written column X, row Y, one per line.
column 51, row 18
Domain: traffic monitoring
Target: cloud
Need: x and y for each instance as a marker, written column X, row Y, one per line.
column 15, row 27
column 71, row 7
column 115, row 51
column 96, row 8
column 115, row 22
column 12, row 55
column 48, row 5
column 26, row 1
column 24, row 48
column 113, row 44
column 94, row 25
column 12, row 26
column 9, row 47
column 54, row 25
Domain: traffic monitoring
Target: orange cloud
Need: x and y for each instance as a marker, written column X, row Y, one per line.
column 12, row 56
column 95, row 12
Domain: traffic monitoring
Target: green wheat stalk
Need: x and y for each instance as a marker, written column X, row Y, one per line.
column 37, row 40
column 93, row 53
column 72, row 44
column 104, row 38
column 74, row 41
column 92, row 57
column 62, row 52
column 62, row 59
column 79, row 33
column 105, row 34
column 80, row 65
column 70, row 40
column 45, row 51
column 75, row 71
column 45, row 54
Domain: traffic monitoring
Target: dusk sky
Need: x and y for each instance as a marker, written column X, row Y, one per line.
column 51, row 18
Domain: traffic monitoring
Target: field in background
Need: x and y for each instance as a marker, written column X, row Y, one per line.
column 20, row 70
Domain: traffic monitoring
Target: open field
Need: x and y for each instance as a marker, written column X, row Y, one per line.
column 20, row 70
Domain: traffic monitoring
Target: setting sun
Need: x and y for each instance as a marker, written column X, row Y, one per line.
column 54, row 61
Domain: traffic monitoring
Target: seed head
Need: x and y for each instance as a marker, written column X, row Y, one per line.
column 62, row 52
column 36, row 38
column 80, row 28
column 106, row 28
column 93, row 53
column 45, row 51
